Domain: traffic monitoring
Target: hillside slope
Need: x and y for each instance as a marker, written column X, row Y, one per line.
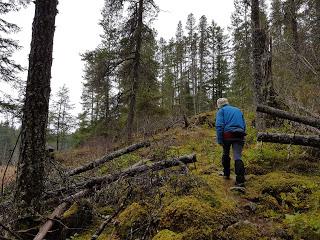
column 281, row 201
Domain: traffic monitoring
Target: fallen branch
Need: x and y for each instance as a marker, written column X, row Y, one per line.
column 58, row 211
column 314, row 122
column 10, row 231
column 107, row 158
column 49, row 223
column 129, row 172
column 303, row 140
column 110, row 218
column 98, row 182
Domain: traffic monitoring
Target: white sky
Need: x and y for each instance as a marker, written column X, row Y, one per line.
column 77, row 30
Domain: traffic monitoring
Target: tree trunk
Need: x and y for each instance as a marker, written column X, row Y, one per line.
column 295, row 37
column 136, row 68
column 311, row 141
column 258, row 44
column 35, row 112
column 314, row 122
column 58, row 128
column 107, row 158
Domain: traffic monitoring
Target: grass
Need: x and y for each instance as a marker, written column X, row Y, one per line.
column 10, row 174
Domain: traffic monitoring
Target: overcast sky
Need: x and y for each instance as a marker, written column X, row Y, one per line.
column 77, row 30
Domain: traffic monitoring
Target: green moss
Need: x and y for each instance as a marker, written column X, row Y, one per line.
column 283, row 191
column 242, row 230
column 122, row 162
column 131, row 218
column 167, row 235
column 195, row 233
column 71, row 211
column 305, row 226
column 185, row 212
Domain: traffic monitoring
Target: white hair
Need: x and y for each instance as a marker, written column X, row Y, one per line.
column 221, row 102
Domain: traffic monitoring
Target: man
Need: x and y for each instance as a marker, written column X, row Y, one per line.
column 231, row 130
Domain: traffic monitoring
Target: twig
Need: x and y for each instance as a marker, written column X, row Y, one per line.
column 7, row 165
column 10, row 231
column 109, row 219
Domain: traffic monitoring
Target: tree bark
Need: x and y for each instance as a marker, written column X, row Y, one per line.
column 314, row 122
column 295, row 37
column 35, row 111
column 258, row 44
column 311, row 141
column 129, row 172
column 136, row 69
column 107, row 158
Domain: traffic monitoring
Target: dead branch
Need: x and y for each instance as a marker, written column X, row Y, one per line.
column 129, row 172
column 8, row 162
column 314, row 122
column 110, row 218
column 107, row 158
column 58, row 211
column 100, row 181
column 10, row 231
column 311, row 141
column 49, row 223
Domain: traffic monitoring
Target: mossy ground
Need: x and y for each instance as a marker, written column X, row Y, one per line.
column 282, row 199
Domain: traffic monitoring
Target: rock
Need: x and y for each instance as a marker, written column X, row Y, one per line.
column 238, row 189
column 250, row 206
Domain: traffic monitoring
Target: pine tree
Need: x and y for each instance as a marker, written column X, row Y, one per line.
column 9, row 69
column 191, row 86
column 30, row 172
column 222, row 70
column 202, row 103
column 212, row 56
column 61, row 120
column 242, row 62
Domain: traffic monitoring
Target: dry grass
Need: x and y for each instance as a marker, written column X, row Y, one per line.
column 10, row 175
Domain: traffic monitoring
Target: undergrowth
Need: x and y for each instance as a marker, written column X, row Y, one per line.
column 282, row 193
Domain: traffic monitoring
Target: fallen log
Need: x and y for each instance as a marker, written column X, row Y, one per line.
column 303, row 140
column 98, row 182
column 107, row 158
column 129, row 172
column 311, row 121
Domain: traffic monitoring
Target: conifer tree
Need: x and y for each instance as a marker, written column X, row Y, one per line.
column 202, row 103
column 30, row 172
column 60, row 117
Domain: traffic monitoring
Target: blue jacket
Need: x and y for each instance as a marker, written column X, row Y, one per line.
column 229, row 119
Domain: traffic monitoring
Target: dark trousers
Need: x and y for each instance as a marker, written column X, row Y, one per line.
column 237, row 146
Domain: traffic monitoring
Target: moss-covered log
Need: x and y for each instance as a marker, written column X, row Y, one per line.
column 107, row 158
column 311, row 121
column 303, row 140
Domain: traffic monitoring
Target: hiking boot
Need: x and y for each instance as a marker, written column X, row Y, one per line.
column 237, row 184
column 227, row 177
column 240, row 172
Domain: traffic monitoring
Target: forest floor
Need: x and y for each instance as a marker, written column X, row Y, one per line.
column 281, row 198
